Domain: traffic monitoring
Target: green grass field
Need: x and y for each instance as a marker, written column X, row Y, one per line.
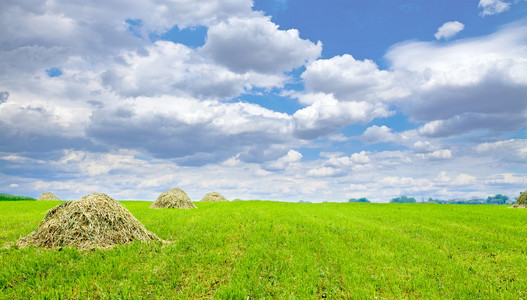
column 258, row 249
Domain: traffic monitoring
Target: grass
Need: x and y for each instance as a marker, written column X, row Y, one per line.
column 258, row 249
column 8, row 197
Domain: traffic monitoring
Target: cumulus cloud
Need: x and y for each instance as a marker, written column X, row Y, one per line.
column 513, row 150
column 256, row 44
column 360, row 158
column 349, row 79
column 328, row 115
column 379, row 134
column 493, row 7
column 155, row 15
column 441, row 154
column 471, row 121
column 470, row 84
column 507, row 179
column 448, row 30
column 192, row 131
column 399, row 181
column 175, row 69
column 455, row 87
column 465, row 179
column 291, row 157
column 29, row 125
column 461, row 179
column 338, row 165
column 324, row 172
column 424, row 147
column 97, row 164
column 339, row 137
column 46, row 34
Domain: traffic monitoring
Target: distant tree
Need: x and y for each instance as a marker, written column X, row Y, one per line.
column 438, row 201
column 362, row 200
column 497, row 200
column 403, row 199
column 8, row 197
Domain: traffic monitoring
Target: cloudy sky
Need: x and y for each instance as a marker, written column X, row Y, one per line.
column 266, row 99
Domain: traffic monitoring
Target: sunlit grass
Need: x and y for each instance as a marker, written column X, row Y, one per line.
column 282, row 250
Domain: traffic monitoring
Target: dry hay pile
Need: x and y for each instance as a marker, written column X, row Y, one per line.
column 95, row 221
column 173, row 198
column 213, row 197
column 522, row 201
column 48, row 196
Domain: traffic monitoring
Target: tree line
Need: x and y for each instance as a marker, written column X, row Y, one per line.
column 498, row 199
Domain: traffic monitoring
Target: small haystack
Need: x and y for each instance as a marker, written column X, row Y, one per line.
column 213, row 197
column 522, row 201
column 173, row 198
column 95, row 221
column 48, row 196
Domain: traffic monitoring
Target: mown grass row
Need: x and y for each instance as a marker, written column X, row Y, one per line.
column 262, row 249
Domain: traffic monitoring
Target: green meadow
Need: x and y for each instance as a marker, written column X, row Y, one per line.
column 261, row 249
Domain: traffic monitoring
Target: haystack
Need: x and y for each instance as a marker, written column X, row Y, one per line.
column 173, row 198
column 48, row 196
column 522, row 201
column 95, row 221
column 213, row 197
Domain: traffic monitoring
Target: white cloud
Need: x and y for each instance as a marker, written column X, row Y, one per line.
column 174, row 69
column 507, row 178
column 154, row 15
column 195, row 131
column 467, row 122
column 256, row 44
column 455, row 87
column 353, row 80
column 379, row 134
column 21, row 159
column 328, row 115
column 233, row 161
column 291, row 157
column 423, row 147
column 443, row 178
column 465, row 179
column 493, row 7
column 354, row 159
column 97, row 164
column 467, row 85
column 448, row 30
column 513, row 150
column 360, row 158
column 46, row 34
column 323, row 172
column 460, row 180
column 441, row 154
column 398, row 181
column 339, row 137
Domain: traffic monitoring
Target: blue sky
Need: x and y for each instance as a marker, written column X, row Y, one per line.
column 278, row 99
